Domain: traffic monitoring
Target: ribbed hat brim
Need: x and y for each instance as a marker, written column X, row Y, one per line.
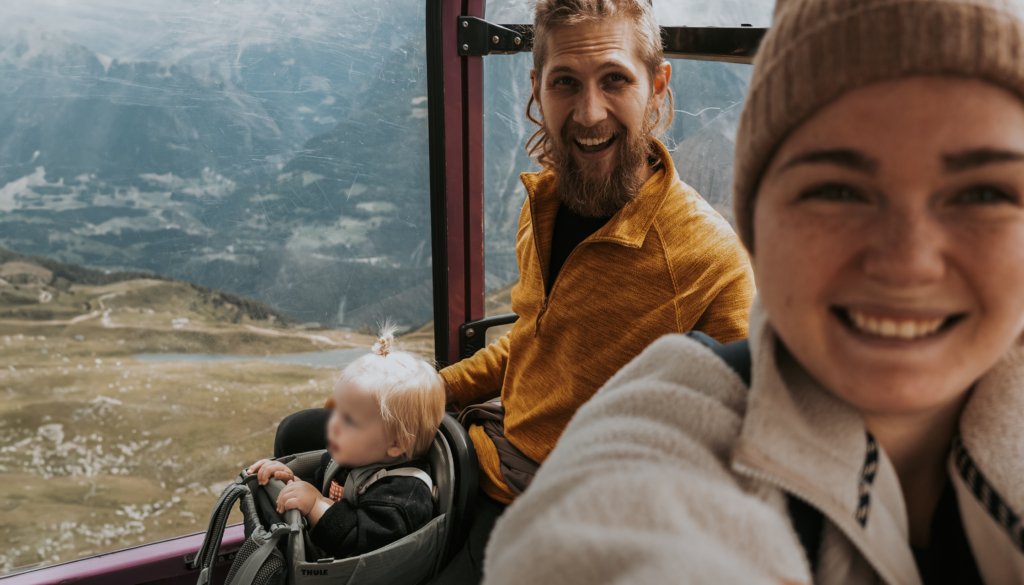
column 817, row 50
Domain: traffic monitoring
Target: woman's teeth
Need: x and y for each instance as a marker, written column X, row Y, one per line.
column 894, row 328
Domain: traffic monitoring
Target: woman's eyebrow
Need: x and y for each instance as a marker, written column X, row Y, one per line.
column 843, row 157
column 977, row 157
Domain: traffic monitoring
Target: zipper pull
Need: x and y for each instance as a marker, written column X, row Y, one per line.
column 543, row 309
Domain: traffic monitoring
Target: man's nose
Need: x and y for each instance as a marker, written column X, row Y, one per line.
column 907, row 249
column 591, row 108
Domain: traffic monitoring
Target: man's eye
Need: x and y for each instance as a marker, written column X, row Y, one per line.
column 984, row 195
column 564, row 82
column 616, row 78
column 834, row 192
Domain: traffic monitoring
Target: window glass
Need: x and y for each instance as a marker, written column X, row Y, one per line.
column 668, row 12
column 713, row 12
column 708, row 100
column 506, row 131
column 205, row 210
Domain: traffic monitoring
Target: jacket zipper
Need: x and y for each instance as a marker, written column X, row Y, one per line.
column 554, row 285
column 766, row 477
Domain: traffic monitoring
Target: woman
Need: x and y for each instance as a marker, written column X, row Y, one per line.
column 880, row 191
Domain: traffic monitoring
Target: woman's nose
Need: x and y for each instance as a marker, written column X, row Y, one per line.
column 906, row 249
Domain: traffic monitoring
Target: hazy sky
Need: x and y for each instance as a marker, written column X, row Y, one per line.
column 154, row 29
column 176, row 30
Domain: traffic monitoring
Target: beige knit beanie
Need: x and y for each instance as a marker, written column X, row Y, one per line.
column 818, row 50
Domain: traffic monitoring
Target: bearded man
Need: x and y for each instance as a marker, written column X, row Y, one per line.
column 614, row 250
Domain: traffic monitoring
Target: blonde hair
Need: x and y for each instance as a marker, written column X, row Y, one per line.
column 407, row 389
column 552, row 14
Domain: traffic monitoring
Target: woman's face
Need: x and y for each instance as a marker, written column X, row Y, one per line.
column 889, row 241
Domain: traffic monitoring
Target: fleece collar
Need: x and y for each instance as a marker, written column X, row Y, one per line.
column 815, row 446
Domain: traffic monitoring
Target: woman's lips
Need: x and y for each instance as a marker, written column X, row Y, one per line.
column 897, row 325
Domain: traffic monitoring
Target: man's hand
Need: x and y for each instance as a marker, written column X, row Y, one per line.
column 267, row 468
column 298, row 495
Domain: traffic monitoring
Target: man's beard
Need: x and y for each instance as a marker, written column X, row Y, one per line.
column 600, row 196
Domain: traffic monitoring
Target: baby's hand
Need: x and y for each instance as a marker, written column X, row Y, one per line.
column 267, row 468
column 297, row 495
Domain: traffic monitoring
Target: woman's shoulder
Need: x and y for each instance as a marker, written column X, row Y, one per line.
column 677, row 400
column 678, row 366
column 643, row 466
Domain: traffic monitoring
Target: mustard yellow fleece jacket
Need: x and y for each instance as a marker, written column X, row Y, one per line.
column 666, row 262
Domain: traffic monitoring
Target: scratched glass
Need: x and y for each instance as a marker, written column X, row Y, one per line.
column 205, row 209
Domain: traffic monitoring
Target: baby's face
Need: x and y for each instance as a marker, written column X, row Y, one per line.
column 355, row 432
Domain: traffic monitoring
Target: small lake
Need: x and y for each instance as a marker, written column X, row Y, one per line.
column 336, row 358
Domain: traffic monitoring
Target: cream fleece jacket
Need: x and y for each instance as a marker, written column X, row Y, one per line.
column 676, row 473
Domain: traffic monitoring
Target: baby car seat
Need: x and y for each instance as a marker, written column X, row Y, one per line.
column 411, row 560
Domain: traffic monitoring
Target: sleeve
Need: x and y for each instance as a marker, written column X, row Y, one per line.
column 310, row 466
column 727, row 315
column 639, row 489
column 715, row 284
column 478, row 378
column 389, row 510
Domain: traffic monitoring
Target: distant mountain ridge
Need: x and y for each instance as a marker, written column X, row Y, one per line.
column 292, row 169
column 31, row 280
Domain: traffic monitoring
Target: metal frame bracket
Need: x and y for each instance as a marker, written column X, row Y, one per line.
column 477, row 37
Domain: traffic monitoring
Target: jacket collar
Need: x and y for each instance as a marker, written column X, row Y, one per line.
column 816, row 447
column 804, row 440
column 628, row 227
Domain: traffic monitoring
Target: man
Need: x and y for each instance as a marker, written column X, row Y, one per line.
column 613, row 249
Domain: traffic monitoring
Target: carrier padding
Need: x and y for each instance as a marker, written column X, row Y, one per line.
column 403, row 562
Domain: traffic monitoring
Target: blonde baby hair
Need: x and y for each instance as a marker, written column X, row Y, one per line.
column 407, row 389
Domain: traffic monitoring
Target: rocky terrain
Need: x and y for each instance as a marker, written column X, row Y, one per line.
column 100, row 451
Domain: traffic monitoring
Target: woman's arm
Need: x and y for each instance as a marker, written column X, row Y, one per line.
column 639, row 489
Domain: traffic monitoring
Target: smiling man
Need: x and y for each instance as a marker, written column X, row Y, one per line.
column 614, row 250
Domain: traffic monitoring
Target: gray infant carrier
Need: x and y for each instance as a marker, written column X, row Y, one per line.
column 277, row 549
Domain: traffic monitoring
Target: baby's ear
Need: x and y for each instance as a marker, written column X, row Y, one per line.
column 395, row 450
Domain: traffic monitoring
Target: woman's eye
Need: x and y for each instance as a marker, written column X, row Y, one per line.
column 834, row 192
column 984, row 195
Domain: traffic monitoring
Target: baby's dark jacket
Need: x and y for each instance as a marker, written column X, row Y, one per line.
column 389, row 509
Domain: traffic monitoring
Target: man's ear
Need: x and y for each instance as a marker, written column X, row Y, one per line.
column 662, row 77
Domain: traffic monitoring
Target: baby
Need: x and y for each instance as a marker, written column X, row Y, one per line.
column 372, row 486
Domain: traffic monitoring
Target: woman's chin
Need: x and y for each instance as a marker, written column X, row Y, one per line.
column 899, row 394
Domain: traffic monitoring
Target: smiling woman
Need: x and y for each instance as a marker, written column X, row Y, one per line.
column 916, row 225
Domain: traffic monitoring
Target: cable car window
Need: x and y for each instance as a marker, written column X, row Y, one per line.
column 713, row 13
column 205, row 210
column 667, row 12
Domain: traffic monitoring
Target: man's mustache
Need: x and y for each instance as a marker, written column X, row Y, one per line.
column 573, row 131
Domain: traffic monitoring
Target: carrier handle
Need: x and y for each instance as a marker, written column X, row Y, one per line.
column 296, row 548
column 246, row 574
column 215, row 533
